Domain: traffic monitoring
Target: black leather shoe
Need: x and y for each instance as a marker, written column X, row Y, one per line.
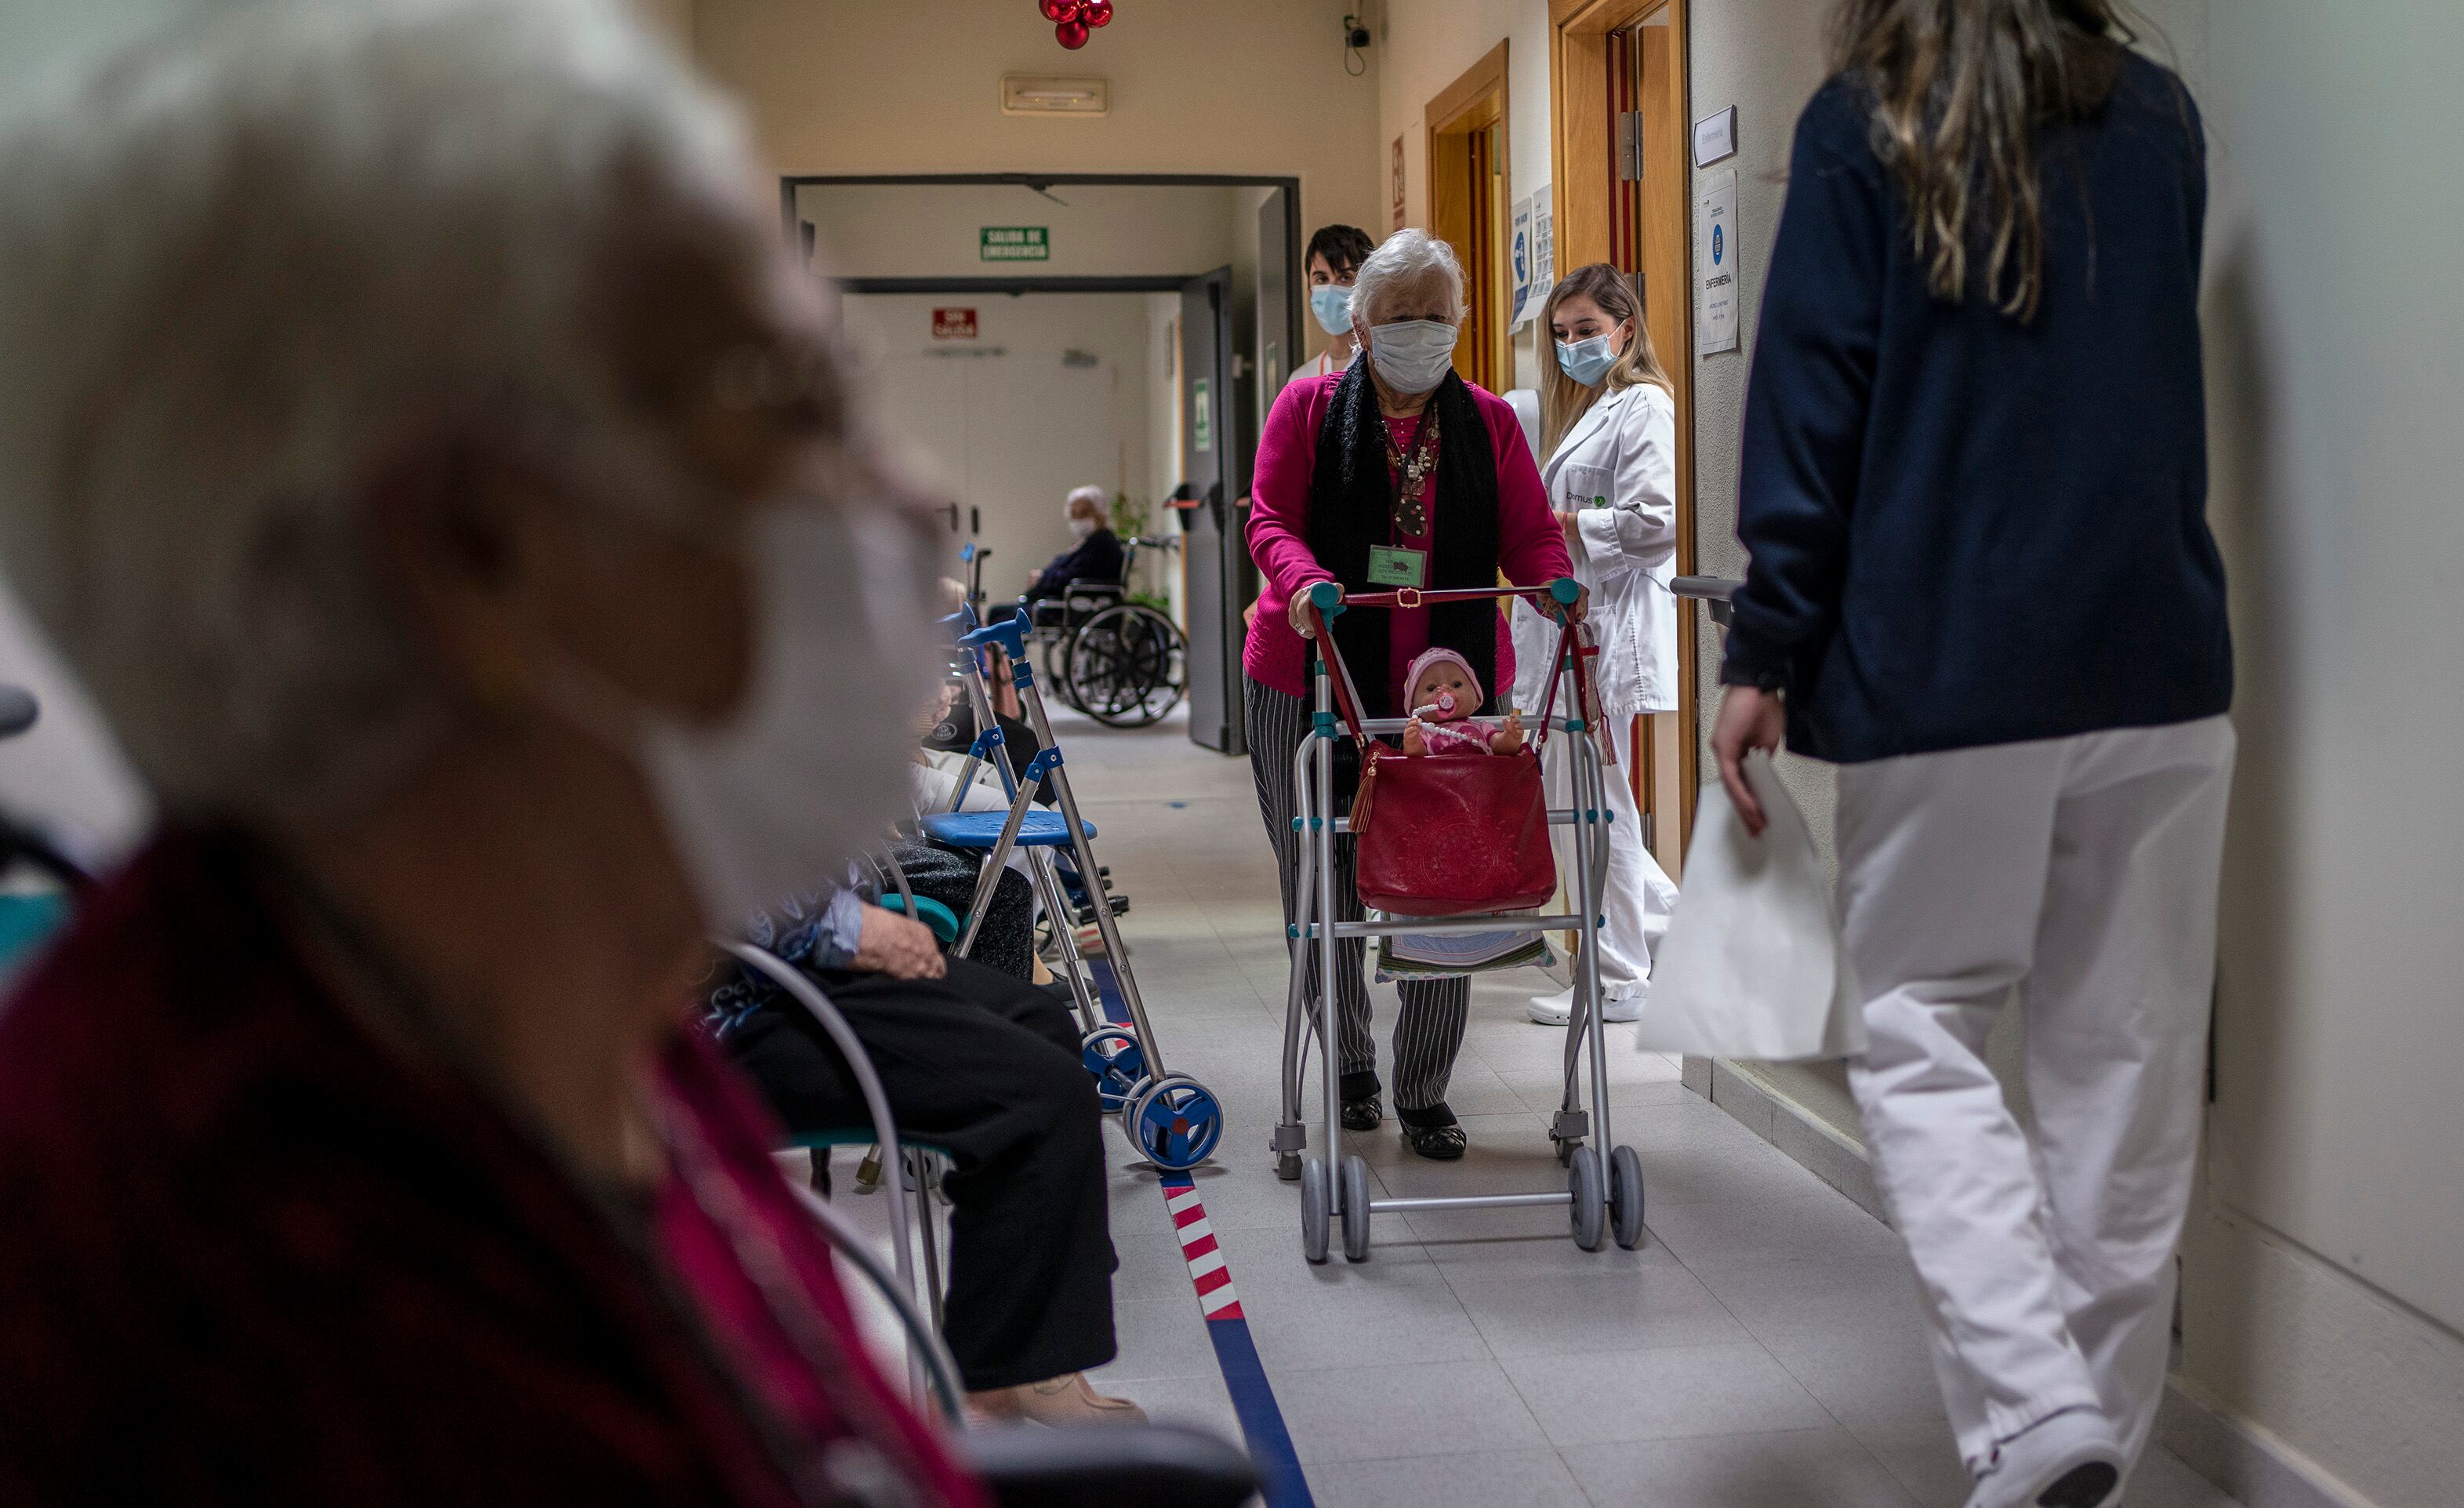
column 1433, row 1133
column 1365, row 1114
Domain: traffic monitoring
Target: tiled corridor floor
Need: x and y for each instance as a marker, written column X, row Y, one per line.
column 1760, row 1350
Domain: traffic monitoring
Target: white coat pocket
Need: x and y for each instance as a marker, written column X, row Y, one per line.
column 1752, row 966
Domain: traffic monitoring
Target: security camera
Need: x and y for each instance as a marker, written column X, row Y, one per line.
column 1355, row 34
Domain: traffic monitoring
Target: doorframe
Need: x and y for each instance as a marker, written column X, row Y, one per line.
column 1580, row 145
column 789, row 183
column 1478, row 100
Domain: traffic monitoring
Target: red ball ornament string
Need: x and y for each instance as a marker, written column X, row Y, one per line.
column 1072, row 33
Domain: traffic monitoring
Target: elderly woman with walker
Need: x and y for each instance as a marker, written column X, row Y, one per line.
column 1608, row 424
column 1392, row 474
column 1974, row 489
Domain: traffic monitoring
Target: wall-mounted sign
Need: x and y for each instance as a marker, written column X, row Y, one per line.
column 1715, row 264
column 1544, row 246
column 1518, row 257
column 1201, row 415
column 1399, row 186
column 954, row 325
column 1028, row 94
column 1015, row 243
column 1715, row 136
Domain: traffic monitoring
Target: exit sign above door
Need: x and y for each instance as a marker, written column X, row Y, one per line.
column 1015, row 243
column 954, row 325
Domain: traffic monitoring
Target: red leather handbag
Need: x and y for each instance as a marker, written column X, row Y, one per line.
column 1452, row 835
column 1448, row 834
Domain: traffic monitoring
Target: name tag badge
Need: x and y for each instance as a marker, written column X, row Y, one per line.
column 1392, row 567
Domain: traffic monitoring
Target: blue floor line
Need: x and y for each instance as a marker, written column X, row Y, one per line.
column 1282, row 1482
column 1236, row 1353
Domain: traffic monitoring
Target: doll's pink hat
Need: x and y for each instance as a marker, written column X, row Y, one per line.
column 1432, row 656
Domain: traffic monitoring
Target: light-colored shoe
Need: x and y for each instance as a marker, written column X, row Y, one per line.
column 2066, row 1460
column 1065, row 1400
column 1556, row 1010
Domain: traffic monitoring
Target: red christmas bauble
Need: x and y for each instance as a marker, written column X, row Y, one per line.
column 1072, row 33
column 1095, row 12
column 1057, row 11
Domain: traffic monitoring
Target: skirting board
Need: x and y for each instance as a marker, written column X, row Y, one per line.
column 2243, row 1458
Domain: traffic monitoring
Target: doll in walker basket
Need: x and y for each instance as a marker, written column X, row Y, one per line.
column 1442, row 693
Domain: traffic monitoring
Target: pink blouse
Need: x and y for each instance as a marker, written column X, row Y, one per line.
column 1531, row 549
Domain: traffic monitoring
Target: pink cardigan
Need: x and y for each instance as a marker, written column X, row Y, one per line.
column 1531, row 549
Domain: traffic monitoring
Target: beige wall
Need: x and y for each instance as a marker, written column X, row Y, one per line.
column 2325, row 1269
column 1249, row 87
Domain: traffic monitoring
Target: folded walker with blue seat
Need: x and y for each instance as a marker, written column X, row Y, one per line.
column 1172, row 1118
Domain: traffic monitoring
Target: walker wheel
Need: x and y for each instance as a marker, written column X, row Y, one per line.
column 1355, row 1209
column 1590, row 1202
column 1175, row 1121
column 1625, row 1198
column 1315, row 1214
column 1119, row 1064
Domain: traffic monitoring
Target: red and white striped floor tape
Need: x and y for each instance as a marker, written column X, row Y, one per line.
column 1216, row 1297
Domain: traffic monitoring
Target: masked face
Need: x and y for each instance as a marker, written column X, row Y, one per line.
column 1588, row 342
column 1413, row 355
column 811, row 765
column 1331, row 305
column 1079, row 526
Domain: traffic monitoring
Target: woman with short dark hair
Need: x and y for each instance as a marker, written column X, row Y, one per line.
column 1331, row 261
column 1973, row 488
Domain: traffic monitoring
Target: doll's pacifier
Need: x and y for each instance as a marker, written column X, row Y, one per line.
column 1445, row 701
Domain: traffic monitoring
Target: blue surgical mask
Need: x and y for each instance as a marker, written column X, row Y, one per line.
column 1413, row 355
column 1332, row 306
column 1585, row 362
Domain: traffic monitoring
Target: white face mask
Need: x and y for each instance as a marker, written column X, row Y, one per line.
column 1082, row 527
column 1413, row 355
column 813, row 765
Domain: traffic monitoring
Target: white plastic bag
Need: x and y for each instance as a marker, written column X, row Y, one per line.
column 1752, row 966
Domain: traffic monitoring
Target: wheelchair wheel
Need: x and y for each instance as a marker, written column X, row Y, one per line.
column 1126, row 666
column 1057, row 645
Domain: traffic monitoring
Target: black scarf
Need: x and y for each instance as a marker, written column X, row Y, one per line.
column 1351, row 507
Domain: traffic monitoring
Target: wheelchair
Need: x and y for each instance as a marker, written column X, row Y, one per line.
column 1120, row 661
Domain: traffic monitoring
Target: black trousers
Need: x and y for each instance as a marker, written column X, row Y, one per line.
column 1433, row 1014
column 986, row 1068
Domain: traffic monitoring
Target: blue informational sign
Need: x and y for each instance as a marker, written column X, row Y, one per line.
column 1719, row 243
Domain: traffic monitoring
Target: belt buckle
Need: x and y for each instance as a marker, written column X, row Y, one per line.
column 1407, row 596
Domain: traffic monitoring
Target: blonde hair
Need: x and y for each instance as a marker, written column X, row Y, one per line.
column 1562, row 399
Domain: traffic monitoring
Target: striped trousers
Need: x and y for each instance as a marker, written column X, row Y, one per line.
column 1429, row 1027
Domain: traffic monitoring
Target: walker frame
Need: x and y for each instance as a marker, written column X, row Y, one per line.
column 1172, row 1118
column 1604, row 1196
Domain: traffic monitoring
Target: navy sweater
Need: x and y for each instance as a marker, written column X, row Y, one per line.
column 1963, row 529
column 1096, row 558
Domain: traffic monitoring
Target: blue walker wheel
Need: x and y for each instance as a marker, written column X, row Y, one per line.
column 1119, row 1064
column 1176, row 1122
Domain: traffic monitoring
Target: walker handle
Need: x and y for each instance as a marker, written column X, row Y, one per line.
column 1010, row 634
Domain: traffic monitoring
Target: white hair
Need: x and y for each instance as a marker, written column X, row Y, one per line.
column 1404, row 263
column 1093, row 497
column 233, row 262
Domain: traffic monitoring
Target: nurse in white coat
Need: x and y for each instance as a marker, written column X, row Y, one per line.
column 1610, row 428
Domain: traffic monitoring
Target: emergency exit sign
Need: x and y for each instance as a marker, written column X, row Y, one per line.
column 1015, row 243
column 954, row 325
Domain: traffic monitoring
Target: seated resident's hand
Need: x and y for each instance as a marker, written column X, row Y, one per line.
column 1299, row 610
column 1034, row 576
column 901, row 947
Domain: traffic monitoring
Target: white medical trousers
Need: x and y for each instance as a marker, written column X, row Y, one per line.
column 2083, row 871
column 1639, row 897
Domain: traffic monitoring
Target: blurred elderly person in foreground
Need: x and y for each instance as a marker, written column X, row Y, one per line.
column 412, row 432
